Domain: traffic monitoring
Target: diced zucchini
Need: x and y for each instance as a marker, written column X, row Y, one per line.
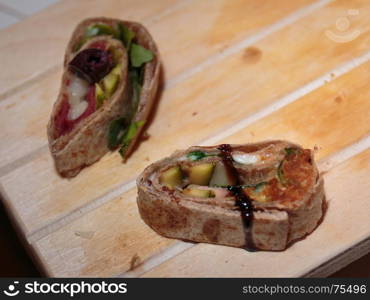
column 117, row 69
column 110, row 83
column 201, row 174
column 171, row 177
column 100, row 96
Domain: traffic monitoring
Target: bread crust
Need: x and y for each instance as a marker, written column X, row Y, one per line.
column 275, row 224
column 87, row 142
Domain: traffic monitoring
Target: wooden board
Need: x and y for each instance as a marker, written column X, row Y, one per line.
column 254, row 70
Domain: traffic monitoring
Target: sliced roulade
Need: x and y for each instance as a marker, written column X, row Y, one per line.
column 256, row 196
column 109, row 83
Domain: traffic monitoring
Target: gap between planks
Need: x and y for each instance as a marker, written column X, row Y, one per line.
column 284, row 101
column 12, row 11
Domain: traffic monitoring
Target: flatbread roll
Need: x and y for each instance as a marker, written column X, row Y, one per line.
column 256, row 196
column 109, row 83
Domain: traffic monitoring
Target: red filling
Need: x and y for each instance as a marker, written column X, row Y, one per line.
column 62, row 124
column 102, row 45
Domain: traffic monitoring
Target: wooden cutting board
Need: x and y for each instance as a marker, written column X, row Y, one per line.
column 234, row 71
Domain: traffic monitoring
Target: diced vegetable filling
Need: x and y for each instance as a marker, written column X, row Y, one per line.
column 201, row 174
column 94, row 76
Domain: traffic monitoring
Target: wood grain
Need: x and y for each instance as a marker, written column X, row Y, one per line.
column 210, row 101
column 334, row 116
column 102, row 243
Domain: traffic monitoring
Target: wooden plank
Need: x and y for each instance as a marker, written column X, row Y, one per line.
column 186, row 108
column 345, row 224
column 351, row 113
column 167, row 20
column 102, row 243
column 322, row 119
column 24, row 117
column 197, row 35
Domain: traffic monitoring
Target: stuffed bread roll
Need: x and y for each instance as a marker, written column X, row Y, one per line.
column 110, row 79
column 255, row 196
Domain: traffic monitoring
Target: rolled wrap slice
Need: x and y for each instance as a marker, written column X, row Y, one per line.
column 123, row 81
column 256, row 196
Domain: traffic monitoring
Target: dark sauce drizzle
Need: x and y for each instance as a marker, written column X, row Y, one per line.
column 242, row 200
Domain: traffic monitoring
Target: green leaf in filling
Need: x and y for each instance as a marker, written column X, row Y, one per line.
column 101, row 29
column 130, row 135
column 259, row 186
column 125, row 35
column 135, row 81
column 280, row 174
column 95, row 30
column 196, row 155
column 136, row 93
column 117, row 130
column 290, row 151
column 139, row 55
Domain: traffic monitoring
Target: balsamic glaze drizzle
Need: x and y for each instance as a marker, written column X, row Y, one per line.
column 242, row 200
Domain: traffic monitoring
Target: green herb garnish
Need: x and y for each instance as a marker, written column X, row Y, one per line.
column 139, row 55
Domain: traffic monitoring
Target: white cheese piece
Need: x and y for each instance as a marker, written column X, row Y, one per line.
column 183, row 158
column 246, row 159
column 77, row 91
column 77, row 110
